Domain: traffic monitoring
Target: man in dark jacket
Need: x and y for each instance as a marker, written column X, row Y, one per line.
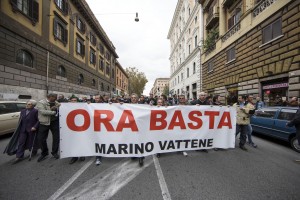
column 296, row 122
column 201, row 101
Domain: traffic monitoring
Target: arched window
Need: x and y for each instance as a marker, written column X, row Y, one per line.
column 80, row 79
column 93, row 82
column 24, row 58
column 61, row 71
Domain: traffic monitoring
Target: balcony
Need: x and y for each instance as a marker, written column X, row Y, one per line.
column 213, row 16
column 261, row 6
column 231, row 31
column 228, row 3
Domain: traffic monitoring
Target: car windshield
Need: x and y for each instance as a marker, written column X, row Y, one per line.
column 266, row 113
column 287, row 114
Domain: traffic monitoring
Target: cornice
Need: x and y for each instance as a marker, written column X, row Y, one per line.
column 184, row 29
column 175, row 16
column 84, row 8
column 189, row 58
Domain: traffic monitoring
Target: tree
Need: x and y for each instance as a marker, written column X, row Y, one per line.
column 166, row 90
column 137, row 81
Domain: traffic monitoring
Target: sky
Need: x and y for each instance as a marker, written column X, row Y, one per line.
column 142, row 44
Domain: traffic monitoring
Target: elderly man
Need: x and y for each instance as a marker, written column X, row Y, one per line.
column 48, row 118
column 202, row 100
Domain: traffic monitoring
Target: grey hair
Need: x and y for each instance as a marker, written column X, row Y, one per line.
column 52, row 95
column 32, row 101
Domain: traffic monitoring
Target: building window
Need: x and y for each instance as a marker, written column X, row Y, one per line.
column 93, row 39
column 102, row 87
column 187, row 72
column 24, row 58
column 195, row 19
column 210, row 66
column 178, row 79
column 61, row 71
column 80, row 48
column 80, row 79
column 92, row 56
column 235, row 18
column 230, row 54
column 107, row 69
column 272, row 31
column 196, row 42
column 60, row 31
column 93, row 83
column 29, row 8
column 101, row 64
column 62, row 5
column 108, row 88
column 80, row 25
column 112, row 73
column 194, row 68
column 189, row 48
column 101, row 48
column 107, row 56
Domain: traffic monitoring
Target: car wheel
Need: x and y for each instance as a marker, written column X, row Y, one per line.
column 295, row 145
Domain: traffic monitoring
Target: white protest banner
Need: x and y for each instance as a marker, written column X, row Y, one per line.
column 134, row 130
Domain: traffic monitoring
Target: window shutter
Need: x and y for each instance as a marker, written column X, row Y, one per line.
column 35, row 11
column 54, row 28
column 77, row 46
column 66, row 7
column 30, row 8
column 276, row 29
column 14, row 4
column 82, row 50
column 65, row 36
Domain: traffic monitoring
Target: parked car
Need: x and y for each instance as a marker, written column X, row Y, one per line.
column 272, row 121
column 9, row 115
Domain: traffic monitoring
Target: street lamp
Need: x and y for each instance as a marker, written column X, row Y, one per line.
column 136, row 19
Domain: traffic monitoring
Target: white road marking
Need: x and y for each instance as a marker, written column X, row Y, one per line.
column 70, row 181
column 163, row 185
column 106, row 184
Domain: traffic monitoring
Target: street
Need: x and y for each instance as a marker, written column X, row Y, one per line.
column 266, row 172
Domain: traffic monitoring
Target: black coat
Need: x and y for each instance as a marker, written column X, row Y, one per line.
column 296, row 121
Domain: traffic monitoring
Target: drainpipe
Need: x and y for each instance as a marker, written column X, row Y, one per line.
column 47, row 78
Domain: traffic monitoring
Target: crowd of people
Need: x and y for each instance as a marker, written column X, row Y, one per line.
column 40, row 117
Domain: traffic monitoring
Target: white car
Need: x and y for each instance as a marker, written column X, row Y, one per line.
column 9, row 115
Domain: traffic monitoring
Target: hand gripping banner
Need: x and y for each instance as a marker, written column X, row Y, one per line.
column 133, row 130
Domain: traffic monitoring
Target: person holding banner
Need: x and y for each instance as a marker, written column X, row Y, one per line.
column 100, row 99
column 182, row 102
column 201, row 101
column 74, row 99
column 243, row 119
column 48, row 118
column 134, row 100
column 160, row 102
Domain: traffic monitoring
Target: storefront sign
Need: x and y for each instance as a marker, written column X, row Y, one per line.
column 279, row 85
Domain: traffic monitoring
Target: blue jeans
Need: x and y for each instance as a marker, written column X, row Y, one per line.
column 243, row 129
column 249, row 134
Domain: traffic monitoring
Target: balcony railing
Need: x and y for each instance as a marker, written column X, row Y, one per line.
column 259, row 8
column 210, row 49
column 231, row 31
column 213, row 16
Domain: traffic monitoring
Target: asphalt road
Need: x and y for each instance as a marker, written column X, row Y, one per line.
column 267, row 172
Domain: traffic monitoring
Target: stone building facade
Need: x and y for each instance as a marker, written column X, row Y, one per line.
column 53, row 46
column 185, row 35
column 121, row 80
column 159, row 86
column 251, row 47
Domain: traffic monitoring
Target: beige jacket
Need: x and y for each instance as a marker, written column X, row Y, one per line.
column 243, row 117
column 45, row 112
